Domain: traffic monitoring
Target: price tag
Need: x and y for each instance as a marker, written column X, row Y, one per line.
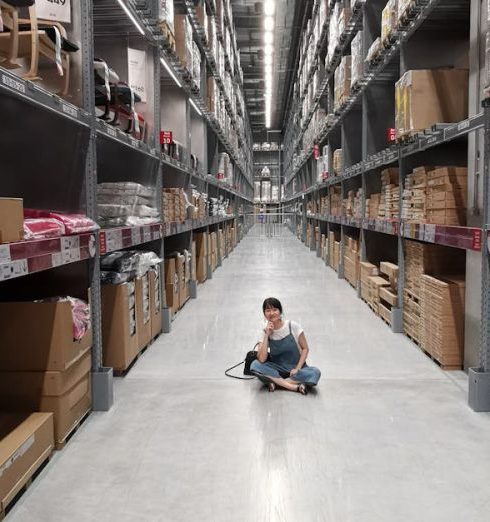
column 4, row 253
column 14, row 269
column 430, row 233
column 135, row 236
column 114, row 240
column 14, row 84
column 146, row 234
column 68, row 109
column 421, row 233
column 57, row 259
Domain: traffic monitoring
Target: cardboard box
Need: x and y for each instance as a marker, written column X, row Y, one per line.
column 172, row 297
column 194, row 261
column 26, row 441
column 429, row 96
column 66, row 394
column 143, row 311
column 11, row 220
column 183, row 40
column 155, row 302
column 119, row 326
column 39, row 337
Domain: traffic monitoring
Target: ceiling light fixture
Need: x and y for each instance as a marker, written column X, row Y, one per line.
column 195, row 107
column 268, row 38
column 131, row 16
column 269, row 7
column 269, row 23
column 268, row 50
column 165, row 64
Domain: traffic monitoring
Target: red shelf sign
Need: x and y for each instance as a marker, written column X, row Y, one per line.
column 166, row 137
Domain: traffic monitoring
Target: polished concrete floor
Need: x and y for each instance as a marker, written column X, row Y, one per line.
column 386, row 436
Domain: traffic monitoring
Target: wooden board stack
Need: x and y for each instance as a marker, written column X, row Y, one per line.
column 325, row 206
column 351, row 260
column 389, row 207
column 335, row 192
column 367, row 270
column 388, row 295
column 358, row 204
column 442, row 320
column 349, row 204
column 174, row 205
column 446, row 199
column 372, row 206
column 414, row 194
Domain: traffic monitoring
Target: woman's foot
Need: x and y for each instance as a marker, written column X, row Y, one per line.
column 271, row 386
column 302, row 389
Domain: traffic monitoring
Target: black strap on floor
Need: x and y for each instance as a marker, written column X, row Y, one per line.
column 236, row 376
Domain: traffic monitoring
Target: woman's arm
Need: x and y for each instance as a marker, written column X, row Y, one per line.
column 303, row 346
column 264, row 344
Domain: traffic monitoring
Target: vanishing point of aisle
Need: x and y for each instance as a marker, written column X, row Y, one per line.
column 387, row 436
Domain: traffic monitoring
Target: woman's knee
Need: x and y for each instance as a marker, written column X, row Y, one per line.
column 256, row 366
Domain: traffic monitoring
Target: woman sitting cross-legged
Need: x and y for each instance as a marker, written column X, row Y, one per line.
column 282, row 353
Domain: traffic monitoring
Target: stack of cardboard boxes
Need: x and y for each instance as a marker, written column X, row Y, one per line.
column 41, row 367
column 131, row 318
column 390, row 194
column 324, row 247
column 342, row 82
column 351, row 260
column 389, row 21
column 442, row 319
column 201, row 256
column 174, row 205
column 324, row 206
column 446, row 198
column 335, row 192
column 420, row 259
column 414, row 195
column 334, row 249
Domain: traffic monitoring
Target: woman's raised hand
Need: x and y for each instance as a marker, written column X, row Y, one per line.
column 269, row 328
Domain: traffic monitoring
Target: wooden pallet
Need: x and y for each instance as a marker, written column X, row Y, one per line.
column 123, row 373
column 445, row 367
column 76, row 426
column 169, row 35
column 25, row 483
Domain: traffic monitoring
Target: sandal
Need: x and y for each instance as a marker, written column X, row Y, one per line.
column 302, row 389
column 271, row 386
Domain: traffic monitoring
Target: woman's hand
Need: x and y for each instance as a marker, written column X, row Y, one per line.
column 293, row 372
column 269, row 328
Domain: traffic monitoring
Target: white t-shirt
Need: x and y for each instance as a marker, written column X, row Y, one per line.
column 277, row 335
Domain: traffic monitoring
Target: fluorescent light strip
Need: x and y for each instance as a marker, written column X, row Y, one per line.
column 195, row 107
column 165, row 64
column 131, row 17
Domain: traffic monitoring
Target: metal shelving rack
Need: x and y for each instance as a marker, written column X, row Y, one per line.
column 354, row 128
column 94, row 141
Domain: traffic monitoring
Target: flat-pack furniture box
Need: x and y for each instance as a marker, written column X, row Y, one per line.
column 429, row 96
column 11, row 220
column 26, row 441
column 155, row 301
column 119, row 327
column 171, row 284
column 38, row 336
column 66, row 394
column 143, row 310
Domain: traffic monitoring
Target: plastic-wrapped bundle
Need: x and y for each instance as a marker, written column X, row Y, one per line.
column 357, row 58
column 126, row 188
column 43, row 228
column 109, row 277
column 115, row 210
column 73, row 223
column 119, row 262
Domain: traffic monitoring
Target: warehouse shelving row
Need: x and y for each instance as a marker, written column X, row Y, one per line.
column 72, row 150
column 339, row 149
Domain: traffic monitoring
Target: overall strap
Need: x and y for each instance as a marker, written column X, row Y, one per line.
column 290, row 332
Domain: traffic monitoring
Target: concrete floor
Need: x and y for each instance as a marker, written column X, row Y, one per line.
column 387, row 436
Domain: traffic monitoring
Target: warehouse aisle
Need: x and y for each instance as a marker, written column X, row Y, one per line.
column 386, row 436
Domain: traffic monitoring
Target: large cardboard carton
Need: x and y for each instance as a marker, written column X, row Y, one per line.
column 119, row 326
column 66, row 394
column 155, row 302
column 39, row 337
column 183, row 40
column 429, row 96
column 143, row 311
column 11, row 220
column 26, row 441
column 193, row 261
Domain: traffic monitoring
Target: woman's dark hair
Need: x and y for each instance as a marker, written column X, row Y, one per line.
column 271, row 302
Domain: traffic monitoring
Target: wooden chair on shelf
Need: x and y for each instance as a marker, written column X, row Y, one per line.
column 30, row 38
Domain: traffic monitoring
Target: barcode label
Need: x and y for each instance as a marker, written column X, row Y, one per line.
column 4, row 253
column 14, row 84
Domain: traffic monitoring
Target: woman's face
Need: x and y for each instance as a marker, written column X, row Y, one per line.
column 272, row 314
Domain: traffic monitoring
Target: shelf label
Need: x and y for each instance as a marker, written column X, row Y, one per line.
column 146, row 234
column 477, row 239
column 113, row 240
column 463, row 125
column 430, row 233
column 421, row 233
column 135, row 236
column 4, row 253
column 14, row 84
column 13, row 269
column 71, row 111
column 57, row 259
column 112, row 132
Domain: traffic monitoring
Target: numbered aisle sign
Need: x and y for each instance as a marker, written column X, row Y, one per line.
column 137, row 72
column 56, row 10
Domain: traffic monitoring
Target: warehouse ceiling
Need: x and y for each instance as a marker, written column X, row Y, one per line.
column 248, row 19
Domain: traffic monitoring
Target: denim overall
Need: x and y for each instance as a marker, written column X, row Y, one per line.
column 284, row 356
